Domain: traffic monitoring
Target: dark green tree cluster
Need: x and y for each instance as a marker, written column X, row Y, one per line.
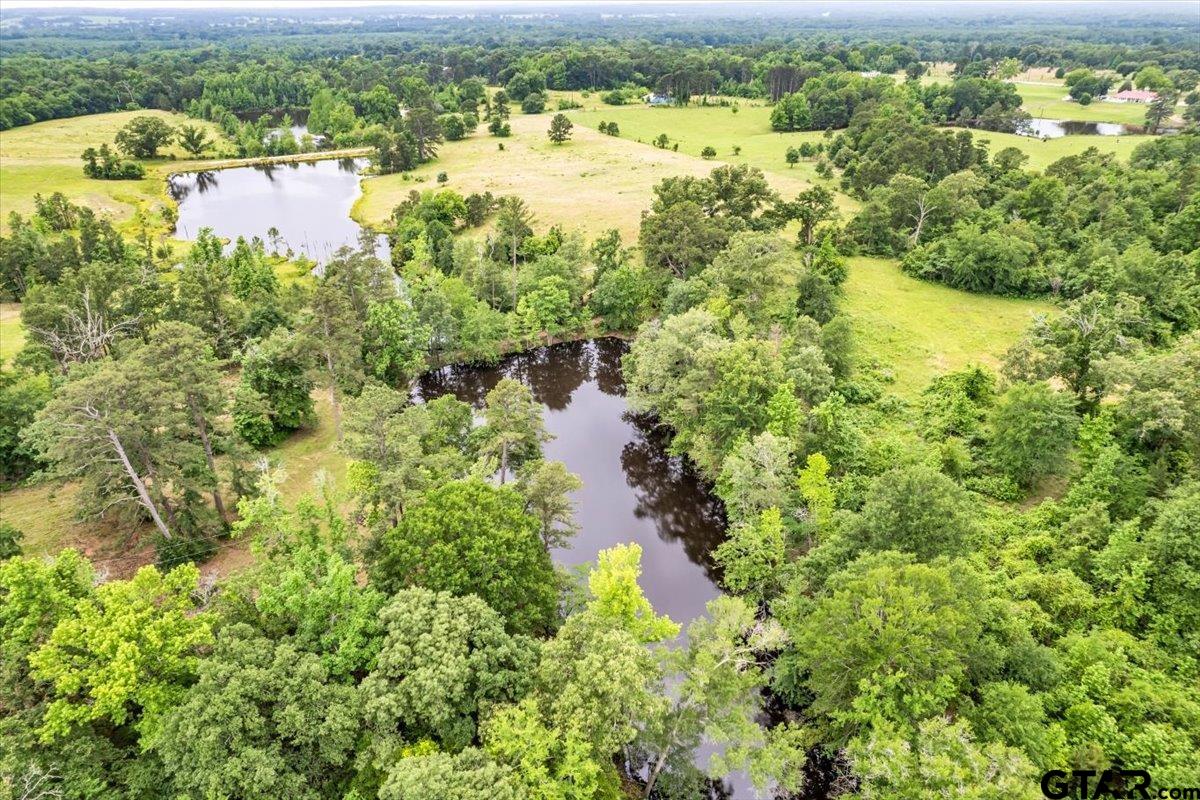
column 1088, row 223
column 938, row 630
column 104, row 164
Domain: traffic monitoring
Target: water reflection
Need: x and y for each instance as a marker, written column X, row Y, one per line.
column 634, row 490
column 1056, row 128
column 307, row 203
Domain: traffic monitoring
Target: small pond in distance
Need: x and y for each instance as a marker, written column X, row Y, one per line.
column 633, row 489
column 1056, row 128
column 308, row 202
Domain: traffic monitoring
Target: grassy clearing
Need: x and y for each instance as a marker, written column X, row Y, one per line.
column 917, row 329
column 45, row 512
column 12, row 333
column 1044, row 153
column 697, row 127
column 1046, row 100
column 44, row 158
column 591, row 183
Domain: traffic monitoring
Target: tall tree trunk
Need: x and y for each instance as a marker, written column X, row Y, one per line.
column 138, row 484
column 668, row 746
column 503, row 461
column 923, row 212
column 202, row 428
column 168, row 509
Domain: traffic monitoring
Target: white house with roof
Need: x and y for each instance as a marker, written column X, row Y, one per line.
column 1132, row 96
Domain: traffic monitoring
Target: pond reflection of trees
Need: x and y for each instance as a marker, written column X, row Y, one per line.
column 670, row 492
column 180, row 186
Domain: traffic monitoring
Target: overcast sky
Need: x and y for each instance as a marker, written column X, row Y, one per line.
column 130, row 4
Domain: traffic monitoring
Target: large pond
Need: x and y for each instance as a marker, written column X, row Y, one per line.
column 633, row 489
column 308, row 203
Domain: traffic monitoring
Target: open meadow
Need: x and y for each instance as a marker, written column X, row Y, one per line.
column 44, row 158
column 12, row 335
column 1043, row 153
column 915, row 329
column 1048, row 101
column 591, row 183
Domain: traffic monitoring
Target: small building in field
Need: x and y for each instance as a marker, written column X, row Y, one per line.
column 656, row 99
column 1132, row 96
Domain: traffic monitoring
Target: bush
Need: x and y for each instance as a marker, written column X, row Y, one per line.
column 997, row 487
column 708, row 152
column 622, row 297
column 10, row 541
column 104, row 164
column 534, row 103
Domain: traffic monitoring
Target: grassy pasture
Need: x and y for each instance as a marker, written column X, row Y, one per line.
column 917, row 329
column 697, row 127
column 12, row 334
column 591, row 183
column 43, row 158
column 1044, row 153
column 1047, row 100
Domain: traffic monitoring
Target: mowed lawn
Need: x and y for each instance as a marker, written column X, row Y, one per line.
column 1046, row 100
column 917, row 329
column 1044, row 153
column 591, row 183
column 44, row 158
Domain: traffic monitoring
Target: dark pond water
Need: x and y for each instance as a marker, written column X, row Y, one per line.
column 633, row 489
column 309, row 203
column 1056, row 128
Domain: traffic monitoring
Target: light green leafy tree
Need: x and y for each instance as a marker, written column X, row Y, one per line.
column 1033, row 427
column 126, row 655
column 753, row 555
column 716, row 696
column 547, row 488
column 467, row 775
column 515, row 431
column 943, row 759
column 394, row 342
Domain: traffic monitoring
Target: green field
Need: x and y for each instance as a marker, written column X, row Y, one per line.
column 44, row 158
column 697, row 127
column 916, row 329
column 12, row 335
column 1044, row 153
column 591, row 183
column 1047, row 101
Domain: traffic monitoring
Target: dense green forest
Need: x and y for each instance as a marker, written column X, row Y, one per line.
column 944, row 595
column 60, row 66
